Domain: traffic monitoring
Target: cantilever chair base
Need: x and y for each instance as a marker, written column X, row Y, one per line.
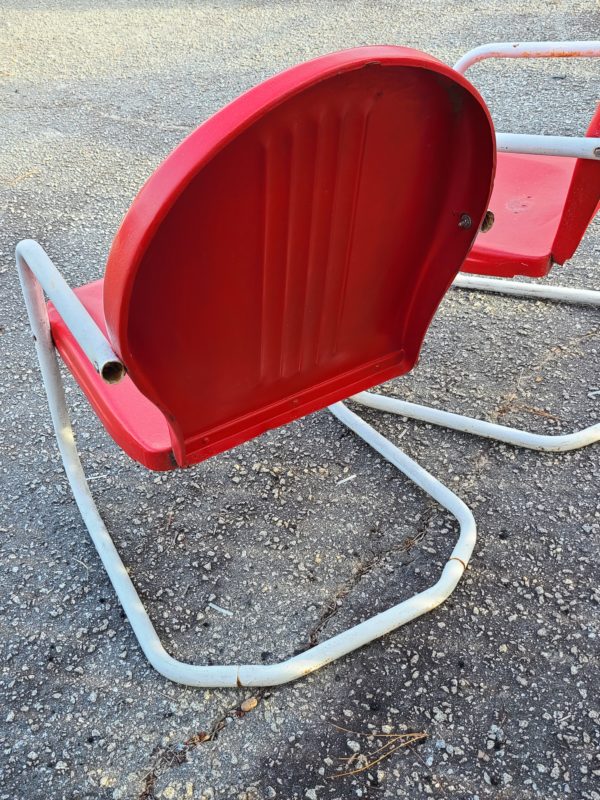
column 250, row 674
column 553, row 443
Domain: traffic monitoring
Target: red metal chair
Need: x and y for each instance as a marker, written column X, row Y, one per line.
column 287, row 254
column 546, row 192
column 542, row 207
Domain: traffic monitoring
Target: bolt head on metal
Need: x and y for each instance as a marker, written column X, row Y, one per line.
column 597, row 152
column 465, row 221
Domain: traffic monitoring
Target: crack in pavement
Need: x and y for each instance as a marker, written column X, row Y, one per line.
column 509, row 402
column 364, row 567
column 166, row 758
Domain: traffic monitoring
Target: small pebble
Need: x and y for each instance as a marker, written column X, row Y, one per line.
column 249, row 704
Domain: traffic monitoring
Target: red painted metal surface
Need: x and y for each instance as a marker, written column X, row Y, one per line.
column 132, row 420
column 527, row 201
column 542, row 206
column 292, row 250
column 582, row 202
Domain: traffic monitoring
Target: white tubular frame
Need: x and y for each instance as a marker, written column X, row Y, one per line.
column 532, row 441
column 527, row 50
column 36, row 272
column 570, row 146
column 536, row 291
column 31, row 257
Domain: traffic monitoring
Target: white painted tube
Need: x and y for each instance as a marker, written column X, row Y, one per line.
column 533, row 441
column 559, row 294
column 32, row 257
column 570, row 146
column 386, row 621
column 353, row 638
column 528, row 50
column 116, row 570
column 434, row 488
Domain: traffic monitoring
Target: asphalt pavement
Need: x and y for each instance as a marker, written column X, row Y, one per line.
column 503, row 679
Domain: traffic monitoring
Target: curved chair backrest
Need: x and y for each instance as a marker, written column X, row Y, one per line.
column 582, row 201
column 292, row 251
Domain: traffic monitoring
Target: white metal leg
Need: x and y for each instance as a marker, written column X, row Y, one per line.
column 558, row 294
column 489, row 430
column 244, row 674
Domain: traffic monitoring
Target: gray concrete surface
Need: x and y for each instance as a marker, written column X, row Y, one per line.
column 504, row 677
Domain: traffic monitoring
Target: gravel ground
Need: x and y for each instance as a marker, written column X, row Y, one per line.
column 503, row 678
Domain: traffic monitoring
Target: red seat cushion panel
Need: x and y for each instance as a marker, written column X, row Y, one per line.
column 527, row 200
column 132, row 420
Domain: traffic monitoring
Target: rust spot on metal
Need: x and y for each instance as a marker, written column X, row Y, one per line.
column 113, row 371
column 558, row 53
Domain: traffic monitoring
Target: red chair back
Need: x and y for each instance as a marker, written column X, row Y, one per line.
column 582, row 202
column 293, row 250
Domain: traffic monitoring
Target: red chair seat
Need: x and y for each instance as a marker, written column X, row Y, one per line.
column 130, row 418
column 528, row 200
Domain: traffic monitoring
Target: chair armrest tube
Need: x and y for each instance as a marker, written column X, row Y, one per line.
column 571, row 146
column 528, row 50
column 32, row 257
